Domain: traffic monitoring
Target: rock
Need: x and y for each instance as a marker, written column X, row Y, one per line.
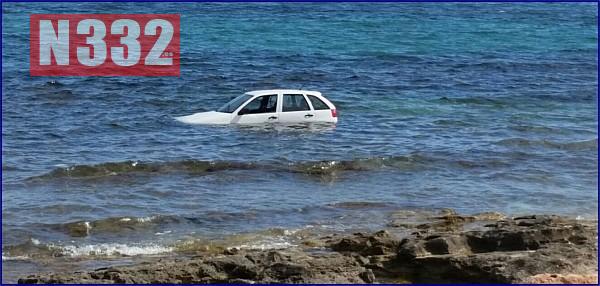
column 28, row 281
column 529, row 249
column 362, row 260
column 246, row 267
column 379, row 243
column 562, row 279
column 368, row 276
column 236, row 266
column 508, row 252
column 451, row 244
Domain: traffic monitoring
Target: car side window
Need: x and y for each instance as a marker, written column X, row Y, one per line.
column 317, row 103
column 235, row 103
column 294, row 102
column 261, row 104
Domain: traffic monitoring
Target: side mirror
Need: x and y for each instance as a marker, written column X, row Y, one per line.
column 242, row 112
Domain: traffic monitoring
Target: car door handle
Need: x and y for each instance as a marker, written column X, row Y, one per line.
column 308, row 115
column 273, row 117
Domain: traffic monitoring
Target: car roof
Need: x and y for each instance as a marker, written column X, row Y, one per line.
column 286, row 91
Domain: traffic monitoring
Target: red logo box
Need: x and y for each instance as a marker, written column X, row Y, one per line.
column 104, row 44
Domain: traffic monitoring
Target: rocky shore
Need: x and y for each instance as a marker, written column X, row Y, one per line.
column 444, row 248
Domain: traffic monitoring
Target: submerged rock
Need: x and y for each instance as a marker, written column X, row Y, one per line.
column 532, row 249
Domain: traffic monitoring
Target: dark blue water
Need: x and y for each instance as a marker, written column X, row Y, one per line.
column 476, row 107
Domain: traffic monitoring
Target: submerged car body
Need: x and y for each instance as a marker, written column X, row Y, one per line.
column 269, row 106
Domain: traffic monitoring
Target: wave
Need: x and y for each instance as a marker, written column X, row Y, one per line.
column 9, row 168
column 269, row 239
column 272, row 238
column 199, row 166
column 33, row 249
column 128, row 167
column 585, row 145
column 114, row 249
column 359, row 205
column 26, row 252
column 112, row 225
column 410, row 162
column 164, row 224
column 476, row 100
column 536, row 129
column 156, row 224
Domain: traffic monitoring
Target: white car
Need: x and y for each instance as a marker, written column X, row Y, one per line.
column 266, row 106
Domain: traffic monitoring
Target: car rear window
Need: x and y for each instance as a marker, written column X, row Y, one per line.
column 317, row 103
column 294, row 102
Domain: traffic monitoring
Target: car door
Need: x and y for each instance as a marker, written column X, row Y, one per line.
column 321, row 110
column 261, row 109
column 295, row 108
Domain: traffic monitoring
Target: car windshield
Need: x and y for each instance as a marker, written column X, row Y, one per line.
column 231, row 106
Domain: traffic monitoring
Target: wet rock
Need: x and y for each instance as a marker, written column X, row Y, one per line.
column 246, row 268
column 446, row 220
column 489, row 216
column 313, row 243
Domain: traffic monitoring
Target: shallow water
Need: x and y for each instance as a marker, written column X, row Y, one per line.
column 476, row 107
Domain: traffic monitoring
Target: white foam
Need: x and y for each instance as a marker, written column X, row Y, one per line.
column 146, row 219
column 13, row 258
column 139, row 219
column 266, row 244
column 108, row 249
column 290, row 231
column 88, row 227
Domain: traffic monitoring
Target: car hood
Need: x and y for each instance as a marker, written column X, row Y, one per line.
column 210, row 117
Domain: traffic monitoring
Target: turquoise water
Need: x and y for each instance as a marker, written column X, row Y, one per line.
column 477, row 107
